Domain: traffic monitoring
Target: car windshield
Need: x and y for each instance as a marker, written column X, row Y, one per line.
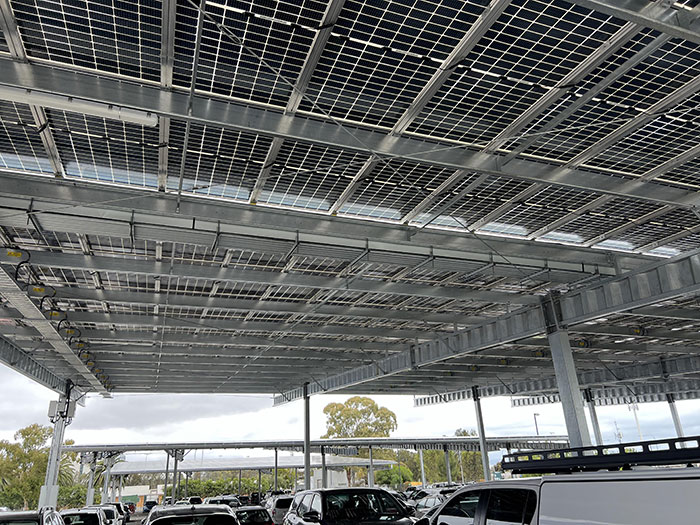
column 211, row 519
column 84, row 518
column 283, row 503
column 247, row 517
column 362, row 506
column 109, row 513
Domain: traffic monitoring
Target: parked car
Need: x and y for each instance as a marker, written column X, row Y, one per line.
column 231, row 501
column 122, row 510
column 621, row 498
column 149, row 504
column 427, row 503
column 85, row 516
column 111, row 514
column 278, row 506
column 195, row 500
column 252, row 515
column 187, row 514
column 245, row 500
column 45, row 516
column 347, row 507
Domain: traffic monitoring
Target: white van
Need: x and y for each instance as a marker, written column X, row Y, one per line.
column 639, row 497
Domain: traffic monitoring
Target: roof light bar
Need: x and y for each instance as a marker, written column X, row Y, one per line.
column 76, row 105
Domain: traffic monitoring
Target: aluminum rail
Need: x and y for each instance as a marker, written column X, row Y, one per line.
column 81, row 86
column 99, row 209
column 435, row 443
column 20, row 361
column 643, row 287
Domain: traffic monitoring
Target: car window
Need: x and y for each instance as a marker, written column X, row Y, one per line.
column 316, row 504
column 283, row 503
column 81, row 519
column 109, row 513
column 297, row 499
column 250, row 517
column 212, row 519
column 362, row 506
column 461, row 510
column 19, row 522
column 305, row 504
column 510, row 507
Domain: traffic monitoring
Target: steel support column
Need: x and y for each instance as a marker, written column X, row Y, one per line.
column 176, row 480
column 259, row 486
column 49, row 490
column 165, row 485
column 588, row 395
column 90, row 496
column 482, row 433
column 674, row 414
column 324, row 473
column 187, row 478
column 370, row 472
column 422, row 468
column 240, row 474
column 307, row 438
column 447, row 465
column 275, row 472
column 569, row 390
column 107, row 478
column 120, row 487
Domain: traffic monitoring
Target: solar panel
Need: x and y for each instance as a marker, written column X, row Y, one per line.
column 20, row 144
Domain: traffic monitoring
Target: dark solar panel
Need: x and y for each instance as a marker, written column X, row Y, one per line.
column 20, row 145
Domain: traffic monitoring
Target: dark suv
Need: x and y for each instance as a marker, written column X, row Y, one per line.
column 347, row 507
column 45, row 516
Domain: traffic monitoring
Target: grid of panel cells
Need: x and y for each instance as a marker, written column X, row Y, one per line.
column 309, row 176
column 219, row 162
column 105, row 150
column 20, row 144
column 529, row 50
column 629, row 98
column 393, row 188
column 381, row 54
column 107, row 35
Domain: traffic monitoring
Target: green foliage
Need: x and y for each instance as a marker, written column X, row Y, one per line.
column 358, row 417
column 228, row 483
column 23, row 467
column 394, row 477
column 71, row 496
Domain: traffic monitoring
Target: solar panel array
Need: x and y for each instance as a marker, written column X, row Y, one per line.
column 546, row 82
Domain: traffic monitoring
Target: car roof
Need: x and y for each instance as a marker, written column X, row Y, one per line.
column 84, row 510
column 182, row 510
column 250, row 507
column 20, row 514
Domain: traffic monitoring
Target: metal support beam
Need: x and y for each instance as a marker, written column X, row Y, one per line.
column 259, row 486
column 176, row 478
column 674, row 415
column 422, row 469
column 662, row 16
column 448, row 469
column 107, row 478
column 38, row 78
column 165, row 484
column 590, row 402
column 370, row 472
column 364, row 172
column 505, row 207
column 569, row 390
column 90, row 495
column 485, row 465
column 275, row 473
column 324, row 473
column 453, row 179
column 307, row 438
column 61, row 415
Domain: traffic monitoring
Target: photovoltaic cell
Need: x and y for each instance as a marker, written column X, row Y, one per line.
column 106, row 35
column 219, row 163
column 105, row 150
column 685, row 175
column 309, row 176
column 20, row 144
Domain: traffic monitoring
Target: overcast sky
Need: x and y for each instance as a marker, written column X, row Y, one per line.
column 195, row 418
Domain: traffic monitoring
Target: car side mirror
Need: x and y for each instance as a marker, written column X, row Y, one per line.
column 312, row 516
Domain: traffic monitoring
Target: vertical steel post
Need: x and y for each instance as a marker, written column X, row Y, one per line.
column 370, row 472
column 447, row 465
column 675, row 416
column 422, row 468
column 276, row 484
column 590, row 403
column 240, row 486
column 58, row 412
column 187, row 478
column 176, row 479
column 296, row 478
column 476, row 396
column 569, row 390
column 165, row 485
column 121, row 486
column 307, row 438
column 107, row 475
column 324, row 473
column 259, row 486
column 90, row 496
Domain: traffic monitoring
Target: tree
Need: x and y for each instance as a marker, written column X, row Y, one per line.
column 358, row 417
column 394, row 477
column 23, row 466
